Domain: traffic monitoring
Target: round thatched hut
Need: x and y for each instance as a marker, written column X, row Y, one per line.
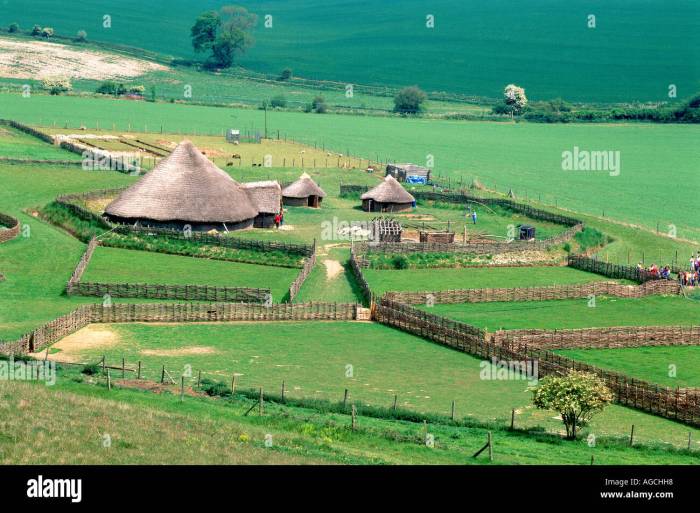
column 266, row 197
column 388, row 196
column 185, row 188
column 303, row 193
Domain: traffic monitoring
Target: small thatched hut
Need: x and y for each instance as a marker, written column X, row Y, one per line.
column 388, row 196
column 266, row 197
column 185, row 188
column 303, row 193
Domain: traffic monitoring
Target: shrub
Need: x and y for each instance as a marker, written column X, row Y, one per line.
column 90, row 369
column 409, row 100
column 590, row 238
column 278, row 101
column 318, row 105
column 576, row 397
column 110, row 87
column 47, row 32
column 81, row 36
column 36, row 30
column 56, row 85
column 400, row 262
column 215, row 388
column 137, row 89
column 14, row 27
column 286, row 74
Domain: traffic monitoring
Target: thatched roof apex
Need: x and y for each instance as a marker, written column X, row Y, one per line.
column 266, row 195
column 185, row 186
column 303, row 188
column 389, row 191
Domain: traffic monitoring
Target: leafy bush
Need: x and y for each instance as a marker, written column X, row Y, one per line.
column 47, row 32
column 90, row 369
column 278, row 101
column 590, row 238
column 36, row 30
column 286, row 74
column 409, row 100
column 110, row 87
column 400, row 262
column 215, row 388
column 81, row 36
column 56, row 85
column 14, row 27
column 318, row 105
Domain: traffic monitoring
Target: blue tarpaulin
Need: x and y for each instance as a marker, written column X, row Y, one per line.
column 419, row 180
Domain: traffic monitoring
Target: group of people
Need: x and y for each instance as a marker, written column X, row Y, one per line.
column 689, row 278
column 656, row 271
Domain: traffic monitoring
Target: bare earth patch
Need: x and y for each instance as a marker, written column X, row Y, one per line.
column 333, row 269
column 40, row 59
column 94, row 336
column 178, row 352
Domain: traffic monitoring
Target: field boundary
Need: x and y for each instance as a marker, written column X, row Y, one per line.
column 309, row 263
column 62, row 326
column 546, row 293
column 682, row 405
column 188, row 292
column 13, row 227
column 603, row 338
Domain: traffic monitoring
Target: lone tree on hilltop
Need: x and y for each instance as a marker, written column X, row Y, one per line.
column 225, row 34
column 409, row 100
column 576, row 396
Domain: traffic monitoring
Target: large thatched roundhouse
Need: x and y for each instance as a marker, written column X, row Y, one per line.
column 388, row 196
column 185, row 188
column 266, row 197
column 303, row 193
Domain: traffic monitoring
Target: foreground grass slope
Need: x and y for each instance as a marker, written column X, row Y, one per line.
column 200, row 430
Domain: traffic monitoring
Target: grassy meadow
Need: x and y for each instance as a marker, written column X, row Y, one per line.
column 475, row 278
column 643, row 193
column 18, row 145
column 574, row 313
column 115, row 265
column 546, row 46
column 427, row 378
column 671, row 366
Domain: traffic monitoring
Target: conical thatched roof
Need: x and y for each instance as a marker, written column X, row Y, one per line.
column 303, row 188
column 389, row 191
column 266, row 196
column 185, row 186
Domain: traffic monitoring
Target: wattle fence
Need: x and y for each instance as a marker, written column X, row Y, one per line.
column 553, row 292
column 617, row 271
column 309, row 263
column 71, row 322
column 13, row 227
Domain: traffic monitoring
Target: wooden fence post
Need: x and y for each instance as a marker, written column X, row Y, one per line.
column 354, row 417
column 109, row 380
column 261, row 407
column 632, row 436
column 345, row 399
column 123, row 367
column 512, row 419
column 162, row 375
column 138, row 375
column 199, row 378
column 396, row 398
column 283, row 390
column 452, row 416
column 182, row 387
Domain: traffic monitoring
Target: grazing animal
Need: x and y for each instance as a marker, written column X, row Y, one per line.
column 236, row 156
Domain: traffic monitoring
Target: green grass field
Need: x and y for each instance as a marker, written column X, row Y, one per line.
column 574, row 313
column 114, row 265
column 672, row 366
column 200, row 430
column 475, row 278
column 474, row 48
column 427, row 378
column 530, row 164
column 18, row 145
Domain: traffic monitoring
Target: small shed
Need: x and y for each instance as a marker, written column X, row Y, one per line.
column 388, row 196
column 410, row 173
column 303, row 193
column 266, row 197
column 384, row 229
column 527, row 232
column 233, row 136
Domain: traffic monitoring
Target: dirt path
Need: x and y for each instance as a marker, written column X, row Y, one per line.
column 93, row 336
column 333, row 269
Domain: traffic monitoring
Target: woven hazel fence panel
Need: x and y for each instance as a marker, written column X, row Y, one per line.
column 74, row 280
column 309, row 264
column 13, row 227
column 356, row 267
column 611, row 337
column 610, row 270
column 63, row 326
column 224, row 241
column 28, row 130
column 682, row 405
column 535, row 293
column 164, row 291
